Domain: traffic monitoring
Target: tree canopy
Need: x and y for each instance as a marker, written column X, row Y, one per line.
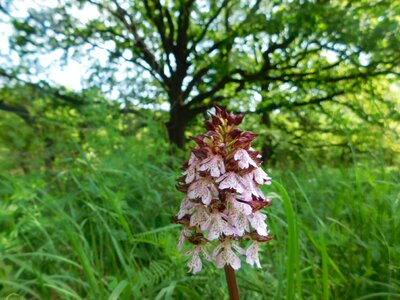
column 298, row 65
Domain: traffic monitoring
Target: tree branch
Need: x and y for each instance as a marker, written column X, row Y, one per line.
column 197, row 77
column 158, row 20
column 49, row 91
column 208, row 24
column 124, row 16
column 217, row 87
column 180, row 50
column 18, row 110
column 289, row 104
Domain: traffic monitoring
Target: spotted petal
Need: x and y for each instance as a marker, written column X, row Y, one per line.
column 195, row 265
column 214, row 164
column 231, row 180
column 182, row 238
column 204, row 189
column 257, row 220
column 260, row 176
column 216, row 226
column 237, row 214
column 251, row 188
column 244, row 159
column 200, row 216
column 252, row 255
column 227, row 257
column 187, row 207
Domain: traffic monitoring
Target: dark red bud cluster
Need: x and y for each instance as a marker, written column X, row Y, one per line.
column 201, row 153
column 236, row 132
column 230, row 118
column 245, row 139
column 259, row 204
column 197, row 239
column 223, row 138
column 185, row 220
column 222, row 117
column 260, row 238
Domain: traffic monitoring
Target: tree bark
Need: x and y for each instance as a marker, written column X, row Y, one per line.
column 179, row 117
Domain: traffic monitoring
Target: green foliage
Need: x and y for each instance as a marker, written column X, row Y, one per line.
column 307, row 63
column 87, row 185
column 96, row 223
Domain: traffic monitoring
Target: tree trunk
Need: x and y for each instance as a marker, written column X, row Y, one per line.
column 179, row 117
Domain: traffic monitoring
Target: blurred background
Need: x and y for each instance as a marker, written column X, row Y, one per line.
column 99, row 99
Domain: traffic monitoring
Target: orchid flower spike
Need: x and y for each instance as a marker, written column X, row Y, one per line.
column 221, row 210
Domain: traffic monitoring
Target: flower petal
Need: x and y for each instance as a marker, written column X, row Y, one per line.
column 195, row 265
column 231, row 180
column 257, row 221
column 204, row 189
column 244, row 159
column 214, row 164
column 261, row 177
column 234, row 260
column 252, row 255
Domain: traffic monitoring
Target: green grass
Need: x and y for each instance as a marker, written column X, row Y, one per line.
column 100, row 228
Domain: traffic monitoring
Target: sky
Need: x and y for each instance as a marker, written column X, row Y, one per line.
column 69, row 75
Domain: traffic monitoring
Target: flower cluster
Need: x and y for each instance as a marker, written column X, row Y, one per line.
column 223, row 200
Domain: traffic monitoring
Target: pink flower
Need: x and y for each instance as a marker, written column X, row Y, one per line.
column 204, row 188
column 214, row 164
column 191, row 171
column 216, row 225
column 193, row 159
column 195, row 265
column 236, row 205
column 231, row 180
column 187, row 207
column 182, row 237
column 238, row 213
column 224, row 255
column 257, row 222
column 200, row 216
column 251, row 188
column 222, row 202
column 244, row 159
column 252, row 255
column 260, row 176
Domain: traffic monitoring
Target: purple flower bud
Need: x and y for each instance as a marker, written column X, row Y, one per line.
column 200, row 153
column 231, row 119
column 209, row 125
column 199, row 140
column 224, row 114
column 259, row 204
column 235, row 133
column 238, row 119
column 218, row 111
column 256, row 237
column 216, row 121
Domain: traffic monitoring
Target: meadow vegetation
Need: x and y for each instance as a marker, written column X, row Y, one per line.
column 89, row 157
column 98, row 225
